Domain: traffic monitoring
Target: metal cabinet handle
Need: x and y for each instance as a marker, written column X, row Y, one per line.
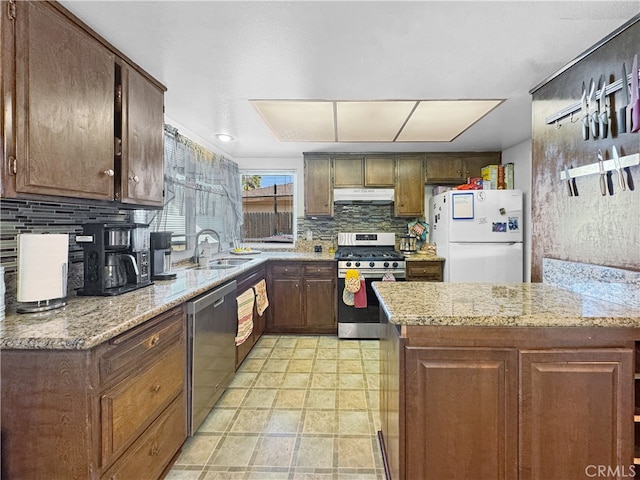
column 109, row 173
column 155, row 450
column 156, row 389
column 134, row 178
column 153, row 341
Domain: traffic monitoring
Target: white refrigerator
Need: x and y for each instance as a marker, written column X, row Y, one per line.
column 479, row 234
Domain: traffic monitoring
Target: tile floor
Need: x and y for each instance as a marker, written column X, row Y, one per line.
column 299, row 408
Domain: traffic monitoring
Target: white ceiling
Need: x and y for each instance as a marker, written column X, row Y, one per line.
column 215, row 56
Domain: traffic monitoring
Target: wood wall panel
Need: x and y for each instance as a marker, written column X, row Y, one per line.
column 589, row 228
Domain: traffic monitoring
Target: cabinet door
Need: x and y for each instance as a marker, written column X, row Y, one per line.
column 379, row 172
column 286, row 304
column 347, row 171
column 320, row 304
column 318, row 193
column 444, row 168
column 576, row 411
column 409, row 186
column 142, row 172
column 425, row 271
column 461, row 414
column 64, row 107
column 473, row 164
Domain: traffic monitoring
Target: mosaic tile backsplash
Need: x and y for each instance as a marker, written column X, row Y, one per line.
column 606, row 283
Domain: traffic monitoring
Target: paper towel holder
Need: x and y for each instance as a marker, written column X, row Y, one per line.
column 42, row 272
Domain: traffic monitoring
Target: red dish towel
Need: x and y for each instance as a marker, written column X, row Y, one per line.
column 360, row 297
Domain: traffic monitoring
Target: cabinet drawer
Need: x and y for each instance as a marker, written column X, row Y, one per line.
column 424, row 270
column 320, row 270
column 151, row 454
column 130, row 406
column 140, row 345
column 286, row 270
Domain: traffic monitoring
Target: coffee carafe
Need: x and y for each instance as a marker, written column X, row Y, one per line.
column 116, row 258
column 161, row 256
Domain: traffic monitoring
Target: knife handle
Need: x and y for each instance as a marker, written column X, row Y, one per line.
column 585, row 127
column 604, row 123
column 635, row 116
column 593, row 121
column 622, row 120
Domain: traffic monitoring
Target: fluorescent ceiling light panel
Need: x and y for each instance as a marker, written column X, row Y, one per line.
column 371, row 121
column 444, row 120
column 298, row 121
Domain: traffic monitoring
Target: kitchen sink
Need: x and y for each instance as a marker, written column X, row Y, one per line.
column 229, row 261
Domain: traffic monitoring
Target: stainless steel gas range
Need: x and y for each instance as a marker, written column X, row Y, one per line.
column 374, row 257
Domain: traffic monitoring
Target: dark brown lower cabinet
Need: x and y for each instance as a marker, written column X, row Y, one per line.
column 116, row 411
column 243, row 282
column 507, row 403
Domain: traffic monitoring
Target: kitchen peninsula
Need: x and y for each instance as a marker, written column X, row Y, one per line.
column 505, row 381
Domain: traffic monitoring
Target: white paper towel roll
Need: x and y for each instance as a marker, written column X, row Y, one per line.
column 42, row 266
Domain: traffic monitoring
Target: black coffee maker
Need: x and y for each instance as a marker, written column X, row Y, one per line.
column 116, row 258
column 161, row 256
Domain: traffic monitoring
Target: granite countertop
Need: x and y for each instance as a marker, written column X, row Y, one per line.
column 498, row 305
column 89, row 321
column 423, row 257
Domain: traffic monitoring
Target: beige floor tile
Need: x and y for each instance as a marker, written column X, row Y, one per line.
column 308, row 342
column 327, row 353
column 312, row 476
column 370, row 354
column 315, row 452
column 252, row 364
column 250, row 421
column 284, row 421
column 373, row 381
column 354, row 423
column 349, row 353
column 267, row 341
column 320, row 421
column 296, row 380
column 328, row 342
column 274, row 451
column 176, row 474
column 234, row 451
column 243, row 379
column 355, row 453
column 350, row 366
column 321, row 399
column 232, row 397
column 281, row 352
column 260, row 397
column 259, row 352
column 307, row 353
column 269, row 380
column 371, row 366
column 327, row 366
column 224, row 475
column 324, row 380
column 290, row 398
column 287, row 341
column 275, row 365
column 218, row 420
column 298, row 365
column 351, row 381
column 352, row 400
column 197, row 449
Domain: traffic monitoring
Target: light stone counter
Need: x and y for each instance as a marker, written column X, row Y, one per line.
column 88, row 321
column 498, row 305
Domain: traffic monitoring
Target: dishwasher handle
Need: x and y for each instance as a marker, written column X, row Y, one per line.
column 214, row 297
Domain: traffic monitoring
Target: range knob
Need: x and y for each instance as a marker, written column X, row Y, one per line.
column 357, row 264
column 372, row 264
column 386, row 264
column 395, row 264
column 348, row 264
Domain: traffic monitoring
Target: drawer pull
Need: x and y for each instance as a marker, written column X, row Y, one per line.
column 156, row 389
column 155, row 450
column 153, row 341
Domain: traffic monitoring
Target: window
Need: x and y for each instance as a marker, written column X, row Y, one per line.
column 268, row 207
column 201, row 191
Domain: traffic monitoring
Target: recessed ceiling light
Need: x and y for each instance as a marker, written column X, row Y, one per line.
column 225, row 137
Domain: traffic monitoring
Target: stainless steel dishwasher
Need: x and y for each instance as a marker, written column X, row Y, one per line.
column 212, row 324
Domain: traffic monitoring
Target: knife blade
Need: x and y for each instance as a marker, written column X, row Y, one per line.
column 635, row 98
column 604, row 113
column 616, row 162
column 622, row 112
column 593, row 110
column 585, row 113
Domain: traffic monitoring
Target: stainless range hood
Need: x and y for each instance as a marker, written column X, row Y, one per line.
column 363, row 195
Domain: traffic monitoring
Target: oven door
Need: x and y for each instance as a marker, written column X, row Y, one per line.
column 360, row 323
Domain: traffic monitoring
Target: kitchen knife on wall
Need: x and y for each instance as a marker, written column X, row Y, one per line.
column 585, row 113
column 604, row 113
column 635, row 97
column 593, row 110
column 622, row 113
column 616, row 162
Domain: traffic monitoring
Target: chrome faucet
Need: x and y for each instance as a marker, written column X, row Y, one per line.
column 204, row 231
